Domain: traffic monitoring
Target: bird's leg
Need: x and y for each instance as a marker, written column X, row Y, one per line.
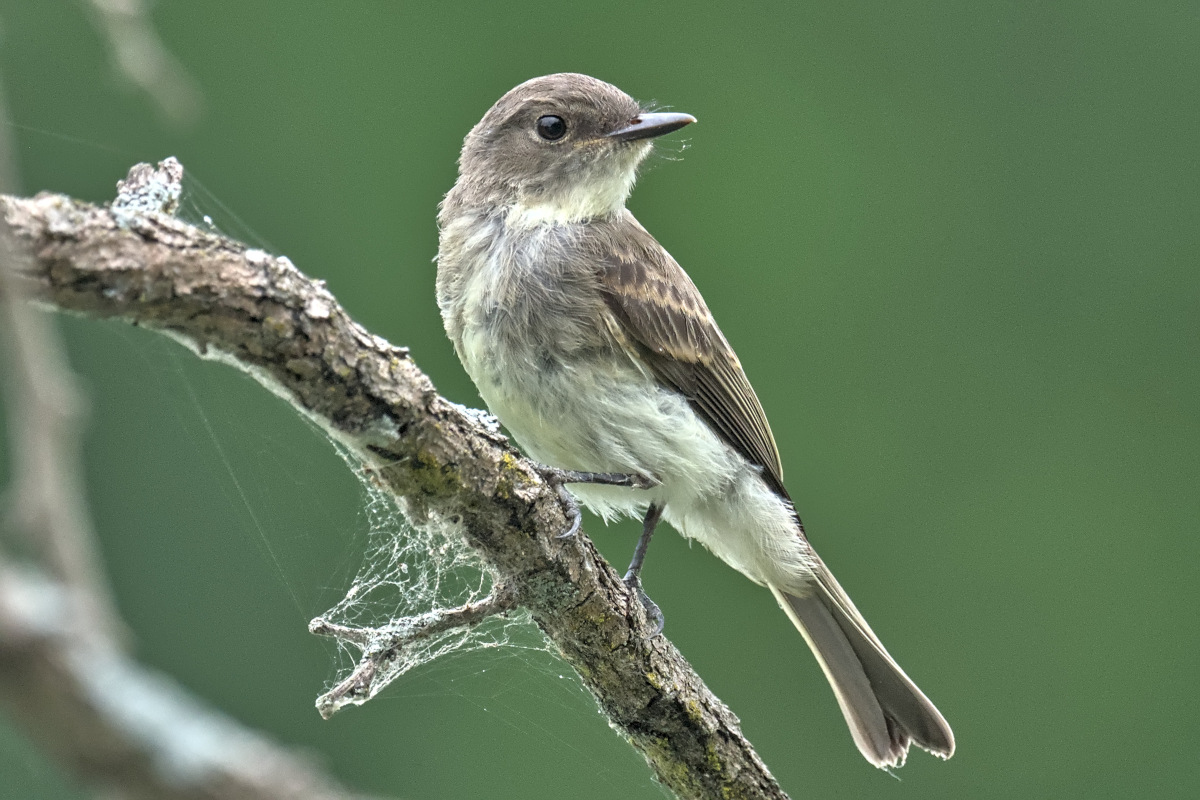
column 633, row 578
column 559, row 478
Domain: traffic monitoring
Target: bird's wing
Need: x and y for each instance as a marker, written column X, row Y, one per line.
column 660, row 311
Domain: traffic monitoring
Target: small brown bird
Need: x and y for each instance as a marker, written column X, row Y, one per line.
column 599, row 355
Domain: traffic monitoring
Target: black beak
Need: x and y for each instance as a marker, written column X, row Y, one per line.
column 647, row 126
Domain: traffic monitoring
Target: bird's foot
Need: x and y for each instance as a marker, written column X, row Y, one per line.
column 654, row 615
column 559, row 478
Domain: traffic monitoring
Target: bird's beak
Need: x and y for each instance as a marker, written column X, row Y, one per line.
column 647, row 126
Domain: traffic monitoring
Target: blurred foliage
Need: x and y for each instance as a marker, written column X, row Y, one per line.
column 955, row 244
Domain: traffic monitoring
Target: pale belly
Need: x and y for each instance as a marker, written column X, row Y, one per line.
column 597, row 413
column 604, row 414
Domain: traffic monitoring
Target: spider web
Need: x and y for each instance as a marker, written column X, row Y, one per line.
column 413, row 572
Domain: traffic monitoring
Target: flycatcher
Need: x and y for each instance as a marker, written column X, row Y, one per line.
column 597, row 352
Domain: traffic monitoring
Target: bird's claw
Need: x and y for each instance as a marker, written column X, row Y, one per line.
column 559, row 478
column 654, row 615
column 572, row 512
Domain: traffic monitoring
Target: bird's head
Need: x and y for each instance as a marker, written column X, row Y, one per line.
column 560, row 148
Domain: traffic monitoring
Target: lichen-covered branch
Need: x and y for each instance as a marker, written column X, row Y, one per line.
column 260, row 313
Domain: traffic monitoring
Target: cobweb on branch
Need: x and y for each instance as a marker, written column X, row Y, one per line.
column 420, row 594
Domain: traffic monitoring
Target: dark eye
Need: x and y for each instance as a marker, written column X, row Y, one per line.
column 551, row 127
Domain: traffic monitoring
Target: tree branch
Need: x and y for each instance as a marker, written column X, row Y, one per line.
column 258, row 312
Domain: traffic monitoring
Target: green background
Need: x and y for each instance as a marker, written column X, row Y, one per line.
column 955, row 244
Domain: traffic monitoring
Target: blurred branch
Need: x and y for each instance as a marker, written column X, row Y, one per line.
column 45, row 503
column 64, row 675
column 139, row 55
column 127, row 730
column 258, row 312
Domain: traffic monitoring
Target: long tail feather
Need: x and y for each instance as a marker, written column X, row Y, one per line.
column 883, row 707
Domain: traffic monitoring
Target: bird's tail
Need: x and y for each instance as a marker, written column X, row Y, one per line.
column 883, row 707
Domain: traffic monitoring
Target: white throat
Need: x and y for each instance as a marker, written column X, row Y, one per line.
column 585, row 200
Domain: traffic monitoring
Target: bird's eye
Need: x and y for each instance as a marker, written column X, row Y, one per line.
column 551, row 128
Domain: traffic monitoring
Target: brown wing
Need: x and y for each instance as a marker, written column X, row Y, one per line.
column 662, row 312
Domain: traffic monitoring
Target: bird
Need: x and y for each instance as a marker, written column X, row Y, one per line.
column 596, row 351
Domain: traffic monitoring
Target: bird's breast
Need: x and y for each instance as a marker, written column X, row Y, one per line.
column 528, row 321
column 528, row 302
